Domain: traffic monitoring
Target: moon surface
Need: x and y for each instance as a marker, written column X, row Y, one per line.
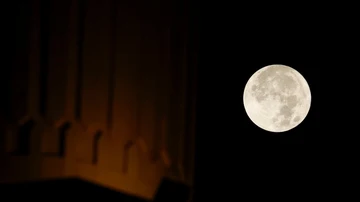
column 277, row 98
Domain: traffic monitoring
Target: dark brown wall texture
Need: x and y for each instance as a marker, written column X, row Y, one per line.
column 98, row 89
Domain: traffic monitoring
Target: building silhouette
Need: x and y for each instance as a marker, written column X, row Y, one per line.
column 99, row 90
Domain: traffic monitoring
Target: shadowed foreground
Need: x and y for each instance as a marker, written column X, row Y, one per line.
column 66, row 189
column 63, row 189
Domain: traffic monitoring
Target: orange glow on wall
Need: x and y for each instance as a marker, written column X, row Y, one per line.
column 97, row 91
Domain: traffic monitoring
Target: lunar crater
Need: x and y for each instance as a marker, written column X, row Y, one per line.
column 279, row 92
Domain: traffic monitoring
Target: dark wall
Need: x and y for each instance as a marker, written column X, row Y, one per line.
column 102, row 90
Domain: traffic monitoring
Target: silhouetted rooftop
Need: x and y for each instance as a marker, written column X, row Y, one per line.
column 66, row 189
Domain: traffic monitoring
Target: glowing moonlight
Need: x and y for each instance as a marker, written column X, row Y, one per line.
column 277, row 98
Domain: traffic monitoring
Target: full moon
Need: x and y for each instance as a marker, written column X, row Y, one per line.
column 277, row 98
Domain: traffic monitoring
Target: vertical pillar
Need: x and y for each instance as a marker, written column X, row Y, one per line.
column 95, row 73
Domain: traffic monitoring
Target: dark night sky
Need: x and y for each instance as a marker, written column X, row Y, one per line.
column 235, row 157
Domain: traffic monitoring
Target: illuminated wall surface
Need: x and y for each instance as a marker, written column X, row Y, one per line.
column 98, row 90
